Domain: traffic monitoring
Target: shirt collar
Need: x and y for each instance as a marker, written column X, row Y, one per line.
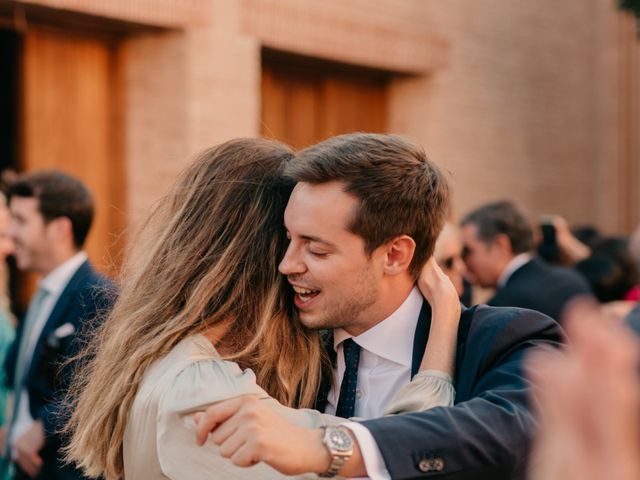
column 58, row 278
column 392, row 338
column 515, row 263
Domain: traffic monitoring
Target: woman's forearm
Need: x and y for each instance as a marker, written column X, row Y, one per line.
column 441, row 347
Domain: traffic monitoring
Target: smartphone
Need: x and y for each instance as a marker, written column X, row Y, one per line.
column 548, row 247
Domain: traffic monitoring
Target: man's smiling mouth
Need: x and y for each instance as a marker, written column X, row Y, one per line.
column 304, row 295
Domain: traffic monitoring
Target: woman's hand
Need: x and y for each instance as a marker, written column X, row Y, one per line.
column 438, row 290
column 571, row 249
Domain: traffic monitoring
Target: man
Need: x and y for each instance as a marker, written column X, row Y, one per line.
column 498, row 242
column 51, row 216
column 363, row 219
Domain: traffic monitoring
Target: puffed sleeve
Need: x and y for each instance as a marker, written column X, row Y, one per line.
column 428, row 389
column 195, row 388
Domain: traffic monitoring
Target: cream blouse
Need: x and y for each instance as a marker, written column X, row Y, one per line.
column 160, row 439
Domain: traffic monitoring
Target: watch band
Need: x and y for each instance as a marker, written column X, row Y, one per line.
column 338, row 441
column 337, row 462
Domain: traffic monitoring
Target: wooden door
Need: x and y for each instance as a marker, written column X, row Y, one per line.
column 304, row 102
column 70, row 121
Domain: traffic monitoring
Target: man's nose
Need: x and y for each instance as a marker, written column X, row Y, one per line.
column 10, row 231
column 459, row 265
column 291, row 263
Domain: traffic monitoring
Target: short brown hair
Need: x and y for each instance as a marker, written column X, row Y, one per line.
column 502, row 217
column 58, row 195
column 400, row 191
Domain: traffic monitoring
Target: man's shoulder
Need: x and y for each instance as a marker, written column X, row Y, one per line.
column 557, row 273
column 88, row 277
column 537, row 275
column 91, row 288
column 483, row 321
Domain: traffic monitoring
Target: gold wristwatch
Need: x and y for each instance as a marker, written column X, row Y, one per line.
column 338, row 441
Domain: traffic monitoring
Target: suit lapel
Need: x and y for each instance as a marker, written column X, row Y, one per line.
column 420, row 337
column 58, row 314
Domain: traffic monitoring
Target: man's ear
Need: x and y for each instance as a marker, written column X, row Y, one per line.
column 502, row 242
column 61, row 228
column 398, row 254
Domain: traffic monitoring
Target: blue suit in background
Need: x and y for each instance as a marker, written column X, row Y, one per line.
column 87, row 296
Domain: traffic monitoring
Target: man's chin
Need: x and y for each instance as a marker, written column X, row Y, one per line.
column 22, row 264
column 26, row 265
column 311, row 321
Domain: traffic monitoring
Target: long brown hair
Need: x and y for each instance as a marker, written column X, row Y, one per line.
column 207, row 254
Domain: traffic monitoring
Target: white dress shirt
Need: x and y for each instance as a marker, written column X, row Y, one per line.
column 54, row 283
column 385, row 366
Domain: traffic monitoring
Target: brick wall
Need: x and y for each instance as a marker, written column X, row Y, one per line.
column 516, row 99
column 515, row 114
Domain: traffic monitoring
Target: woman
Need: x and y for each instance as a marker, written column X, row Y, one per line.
column 201, row 300
column 7, row 321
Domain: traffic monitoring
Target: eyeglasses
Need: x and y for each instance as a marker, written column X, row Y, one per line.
column 448, row 262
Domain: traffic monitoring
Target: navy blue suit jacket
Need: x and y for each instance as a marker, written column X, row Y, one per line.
column 86, row 297
column 541, row 286
column 487, row 433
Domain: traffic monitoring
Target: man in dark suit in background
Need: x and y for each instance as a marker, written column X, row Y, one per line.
column 498, row 245
column 51, row 216
column 363, row 220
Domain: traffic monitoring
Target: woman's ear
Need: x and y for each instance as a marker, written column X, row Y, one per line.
column 398, row 255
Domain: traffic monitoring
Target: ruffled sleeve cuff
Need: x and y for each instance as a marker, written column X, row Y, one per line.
column 427, row 389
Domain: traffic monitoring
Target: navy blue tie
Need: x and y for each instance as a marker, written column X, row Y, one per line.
column 347, row 400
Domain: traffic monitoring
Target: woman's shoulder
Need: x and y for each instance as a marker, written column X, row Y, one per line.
column 196, row 376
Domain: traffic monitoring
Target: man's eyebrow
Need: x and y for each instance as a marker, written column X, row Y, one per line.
column 311, row 238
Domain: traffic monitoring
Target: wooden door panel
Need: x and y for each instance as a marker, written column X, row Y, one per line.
column 302, row 105
column 291, row 107
column 69, row 103
column 353, row 105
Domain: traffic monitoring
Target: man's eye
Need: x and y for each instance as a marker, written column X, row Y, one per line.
column 318, row 254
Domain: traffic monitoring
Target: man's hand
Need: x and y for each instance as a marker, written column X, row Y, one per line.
column 27, row 448
column 248, row 431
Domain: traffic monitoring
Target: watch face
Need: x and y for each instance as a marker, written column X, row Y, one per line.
column 340, row 440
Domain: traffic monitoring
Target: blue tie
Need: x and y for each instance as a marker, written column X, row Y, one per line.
column 347, row 400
